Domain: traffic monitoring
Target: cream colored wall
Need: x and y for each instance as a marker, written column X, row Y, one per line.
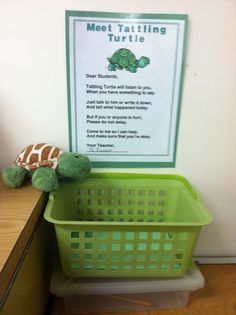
column 33, row 95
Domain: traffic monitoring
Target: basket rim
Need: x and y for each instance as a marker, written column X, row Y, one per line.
column 176, row 177
column 196, row 197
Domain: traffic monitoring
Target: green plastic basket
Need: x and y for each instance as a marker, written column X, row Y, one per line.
column 126, row 225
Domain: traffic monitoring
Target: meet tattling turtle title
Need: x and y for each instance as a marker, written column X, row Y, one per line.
column 129, row 32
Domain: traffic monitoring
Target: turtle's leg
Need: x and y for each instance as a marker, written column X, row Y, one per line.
column 45, row 179
column 132, row 69
column 111, row 67
column 14, row 176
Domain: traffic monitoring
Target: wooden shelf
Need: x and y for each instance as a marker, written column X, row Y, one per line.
column 20, row 210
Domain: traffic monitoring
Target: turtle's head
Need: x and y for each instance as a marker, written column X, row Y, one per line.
column 143, row 62
column 73, row 165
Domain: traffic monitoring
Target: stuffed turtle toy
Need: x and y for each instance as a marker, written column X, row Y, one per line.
column 124, row 59
column 46, row 164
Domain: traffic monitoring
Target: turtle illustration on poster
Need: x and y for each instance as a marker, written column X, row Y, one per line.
column 125, row 59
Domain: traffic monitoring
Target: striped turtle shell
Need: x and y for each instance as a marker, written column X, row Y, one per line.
column 38, row 155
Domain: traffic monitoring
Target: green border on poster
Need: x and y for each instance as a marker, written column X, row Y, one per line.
column 120, row 164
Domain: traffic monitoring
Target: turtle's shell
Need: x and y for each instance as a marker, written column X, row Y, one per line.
column 124, row 58
column 38, row 155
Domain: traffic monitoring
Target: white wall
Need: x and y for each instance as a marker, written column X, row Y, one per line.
column 33, row 95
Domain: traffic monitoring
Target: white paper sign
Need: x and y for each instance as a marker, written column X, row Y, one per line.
column 124, row 87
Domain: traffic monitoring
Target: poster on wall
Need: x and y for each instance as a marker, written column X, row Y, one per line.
column 125, row 75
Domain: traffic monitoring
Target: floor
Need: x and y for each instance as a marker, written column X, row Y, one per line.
column 217, row 298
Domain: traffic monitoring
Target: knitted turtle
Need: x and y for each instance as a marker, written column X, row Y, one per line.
column 124, row 59
column 45, row 163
